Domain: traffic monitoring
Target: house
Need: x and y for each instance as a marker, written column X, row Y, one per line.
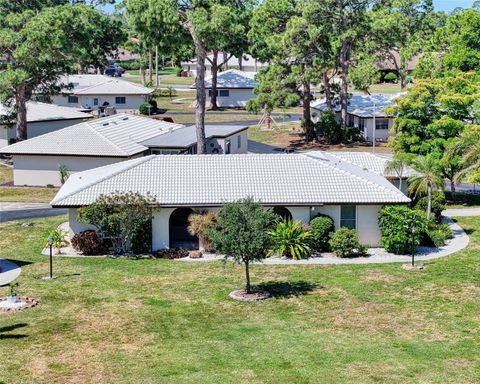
column 377, row 163
column 94, row 91
column 362, row 113
column 299, row 186
column 109, row 140
column 41, row 118
column 247, row 63
column 234, row 88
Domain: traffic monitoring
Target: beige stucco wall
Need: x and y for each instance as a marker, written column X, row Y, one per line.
column 75, row 226
column 34, row 170
column 236, row 98
column 132, row 101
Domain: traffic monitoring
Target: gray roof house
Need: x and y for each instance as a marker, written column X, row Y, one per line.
column 298, row 185
column 42, row 118
column 109, row 140
column 97, row 91
column 362, row 111
column 234, row 88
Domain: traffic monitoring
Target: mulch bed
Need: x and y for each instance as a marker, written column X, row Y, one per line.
column 242, row 295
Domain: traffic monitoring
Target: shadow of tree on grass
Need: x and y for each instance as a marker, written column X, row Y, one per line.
column 287, row 288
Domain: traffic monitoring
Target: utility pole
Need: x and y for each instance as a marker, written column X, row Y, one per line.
column 374, row 125
column 157, row 79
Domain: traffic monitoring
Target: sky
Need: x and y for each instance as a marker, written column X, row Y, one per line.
column 440, row 5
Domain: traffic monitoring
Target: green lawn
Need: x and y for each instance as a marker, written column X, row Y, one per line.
column 157, row 321
column 6, row 174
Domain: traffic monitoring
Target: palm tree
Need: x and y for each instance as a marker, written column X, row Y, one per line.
column 397, row 165
column 427, row 180
column 469, row 146
column 198, row 225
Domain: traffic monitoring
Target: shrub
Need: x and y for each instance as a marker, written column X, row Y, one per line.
column 59, row 239
column 88, row 243
column 446, row 230
column 321, row 226
column 145, row 109
column 391, row 77
column 130, row 65
column 142, row 235
column 438, row 204
column 346, row 243
column 433, row 238
column 328, row 128
column 396, row 224
column 178, row 71
column 172, row 253
column 290, row 239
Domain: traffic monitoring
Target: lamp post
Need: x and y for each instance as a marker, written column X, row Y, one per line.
column 50, row 246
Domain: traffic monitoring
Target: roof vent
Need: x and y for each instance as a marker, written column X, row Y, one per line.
column 104, row 124
column 125, row 118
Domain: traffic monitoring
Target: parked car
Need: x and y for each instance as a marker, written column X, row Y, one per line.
column 114, row 71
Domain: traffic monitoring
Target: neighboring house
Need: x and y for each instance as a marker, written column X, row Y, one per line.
column 246, row 64
column 377, row 163
column 42, row 118
column 234, row 88
column 109, row 140
column 94, row 91
column 391, row 62
column 363, row 112
column 299, row 186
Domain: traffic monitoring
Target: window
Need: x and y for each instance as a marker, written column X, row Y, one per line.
column 120, row 100
column 348, row 216
column 73, row 99
column 239, row 141
column 361, row 124
column 224, row 93
column 95, row 101
column 381, row 123
column 351, row 121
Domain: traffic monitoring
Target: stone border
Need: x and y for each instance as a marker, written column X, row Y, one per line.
column 257, row 295
column 29, row 303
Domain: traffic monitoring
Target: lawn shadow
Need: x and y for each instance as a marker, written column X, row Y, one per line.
column 12, row 328
column 20, row 263
column 286, row 288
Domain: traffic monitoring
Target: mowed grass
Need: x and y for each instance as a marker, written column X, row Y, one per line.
column 157, row 321
column 27, row 194
column 6, row 174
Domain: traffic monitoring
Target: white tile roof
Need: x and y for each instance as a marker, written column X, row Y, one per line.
column 233, row 78
column 212, row 180
column 373, row 162
column 362, row 105
column 103, row 85
column 37, row 112
column 114, row 136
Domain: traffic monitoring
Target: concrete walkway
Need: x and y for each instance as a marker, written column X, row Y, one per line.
column 9, row 271
column 377, row 255
column 467, row 211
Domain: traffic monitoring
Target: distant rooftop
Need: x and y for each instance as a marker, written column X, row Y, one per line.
column 103, row 85
column 233, row 78
column 362, row 105
column 37, row 112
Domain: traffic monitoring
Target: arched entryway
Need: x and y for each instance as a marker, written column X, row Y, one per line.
column 283, row 212
column 178, row 234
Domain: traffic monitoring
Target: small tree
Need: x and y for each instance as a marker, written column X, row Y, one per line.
column 59, row 239
column 118, row 217
column 242, row 233
column 397, row 165
column 199, row 224
column 64, row 173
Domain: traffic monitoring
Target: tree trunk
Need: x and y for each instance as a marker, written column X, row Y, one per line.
column 344, row 66
column 402, row 76
column 307, row 118
column 452, row 188
column 268, row 119
column 429, row 201
column 400, row 183
column 240, row 63
column 150, row 66
column 213, row 98
column 225, row 60
column 248, row 287
column 200, row 97
column 142, row 74
column 21, row 109
column 327, row 90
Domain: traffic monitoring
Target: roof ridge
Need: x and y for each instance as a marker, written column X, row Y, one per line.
column 357, row 176
column 106, row 139
column 140, row 161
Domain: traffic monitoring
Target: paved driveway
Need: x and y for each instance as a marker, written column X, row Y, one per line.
column 19, row 211
column 452, row 212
